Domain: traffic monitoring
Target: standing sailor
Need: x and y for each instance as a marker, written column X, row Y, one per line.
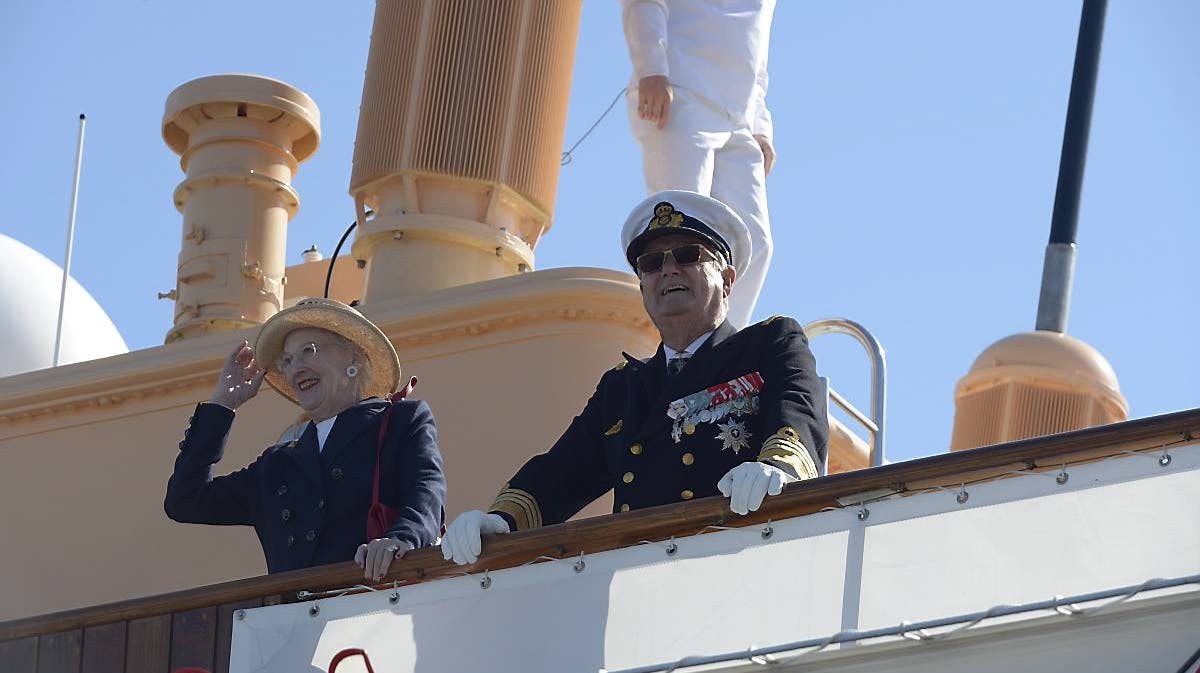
column 697, row 106
column 714, row 410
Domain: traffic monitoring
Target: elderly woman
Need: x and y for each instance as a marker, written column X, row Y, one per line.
column 359, row 457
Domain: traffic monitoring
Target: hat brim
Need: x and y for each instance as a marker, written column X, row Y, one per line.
column 382, row 371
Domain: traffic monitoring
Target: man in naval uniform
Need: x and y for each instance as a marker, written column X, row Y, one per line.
column 714, row 410
column 697, row 106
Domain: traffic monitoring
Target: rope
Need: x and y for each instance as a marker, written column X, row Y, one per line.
column 566, row 156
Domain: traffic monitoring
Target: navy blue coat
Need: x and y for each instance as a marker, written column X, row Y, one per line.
column 624, row 440
column 309, row 507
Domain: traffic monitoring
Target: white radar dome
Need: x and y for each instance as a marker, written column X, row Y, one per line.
column 30, row 285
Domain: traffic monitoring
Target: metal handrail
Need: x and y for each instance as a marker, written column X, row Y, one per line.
column 875, row 423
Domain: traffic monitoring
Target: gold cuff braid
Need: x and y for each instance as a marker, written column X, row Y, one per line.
column 784, row 446
column 520, row 505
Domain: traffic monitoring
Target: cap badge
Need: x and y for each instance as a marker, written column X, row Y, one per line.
column 665, row 215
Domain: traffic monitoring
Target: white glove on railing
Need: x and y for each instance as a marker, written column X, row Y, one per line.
column 747, row 484
column 462, row 541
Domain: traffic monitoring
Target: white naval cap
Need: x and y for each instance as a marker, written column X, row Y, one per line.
column 683, row 212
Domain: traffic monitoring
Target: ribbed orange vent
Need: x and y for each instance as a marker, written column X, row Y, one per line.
column 1019, row 411
column 541, row 120
column 985, row 410
column 469, row 89
column 383, row 117
column 1045, row 412
column 1033, row 384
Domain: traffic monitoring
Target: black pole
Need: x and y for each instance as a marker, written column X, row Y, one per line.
column 1079, row 122
column 1059, row 265
column 333, row 259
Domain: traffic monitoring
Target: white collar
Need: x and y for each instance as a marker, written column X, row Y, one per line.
column 326, row 426
column 690, row 350
column 323, row 430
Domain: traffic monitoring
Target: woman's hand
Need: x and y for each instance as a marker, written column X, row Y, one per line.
column 240, row 378
column 375, row 556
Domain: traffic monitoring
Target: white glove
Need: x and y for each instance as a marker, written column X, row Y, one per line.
column 747, row 484
column 463, row 539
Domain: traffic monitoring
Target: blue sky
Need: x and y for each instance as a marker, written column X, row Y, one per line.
column 918, row 150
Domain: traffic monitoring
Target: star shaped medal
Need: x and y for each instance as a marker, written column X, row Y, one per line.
column 733, row 435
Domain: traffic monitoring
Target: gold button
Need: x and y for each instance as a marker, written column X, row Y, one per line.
column 625, row 507
column 688, row 459
column 686, row 494
column 627, row 477
column 635, row 449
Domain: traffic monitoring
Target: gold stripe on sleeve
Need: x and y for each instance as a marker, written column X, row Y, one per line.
column 784, row 446
column 520, row 505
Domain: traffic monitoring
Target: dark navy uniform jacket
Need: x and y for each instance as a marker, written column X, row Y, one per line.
column 623, row 438
column 309, row 507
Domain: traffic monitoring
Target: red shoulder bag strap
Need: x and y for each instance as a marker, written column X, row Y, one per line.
column 346, row 654
column 380, row 516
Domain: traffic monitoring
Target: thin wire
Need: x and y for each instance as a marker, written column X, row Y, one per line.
column 305, row 594
column 566, row 156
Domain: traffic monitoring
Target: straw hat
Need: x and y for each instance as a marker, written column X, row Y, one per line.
column 382, row 372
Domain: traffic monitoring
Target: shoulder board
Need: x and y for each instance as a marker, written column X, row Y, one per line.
column 772, row 319
column 620, row 366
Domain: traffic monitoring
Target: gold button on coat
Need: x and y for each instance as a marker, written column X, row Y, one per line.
column 688, row 459
column 686, row 494
column 625, row 507
column 635, row 449
column 627, row 477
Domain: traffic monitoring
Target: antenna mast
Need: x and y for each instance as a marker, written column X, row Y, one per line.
column 62, row 297
column 1059, row 266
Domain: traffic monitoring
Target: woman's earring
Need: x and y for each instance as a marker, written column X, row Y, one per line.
column 351, row 371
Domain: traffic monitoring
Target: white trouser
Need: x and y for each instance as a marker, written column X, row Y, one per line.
column 703, row 150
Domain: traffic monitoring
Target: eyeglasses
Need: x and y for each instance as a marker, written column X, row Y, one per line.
column 308, row 351
column 684, row 255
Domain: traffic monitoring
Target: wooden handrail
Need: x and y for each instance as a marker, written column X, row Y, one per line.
column 656, row 523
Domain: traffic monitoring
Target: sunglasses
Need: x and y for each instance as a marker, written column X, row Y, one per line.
column 684, row 255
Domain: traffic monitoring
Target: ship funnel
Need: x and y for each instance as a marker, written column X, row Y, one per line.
column 1044, row 382
column 459, row 139
column 240, row 139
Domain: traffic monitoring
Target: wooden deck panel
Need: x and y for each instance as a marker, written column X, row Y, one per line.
column 194, row 638
column 60, row 652
column 104, row 648
column 19, row 655
column 148, row 648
